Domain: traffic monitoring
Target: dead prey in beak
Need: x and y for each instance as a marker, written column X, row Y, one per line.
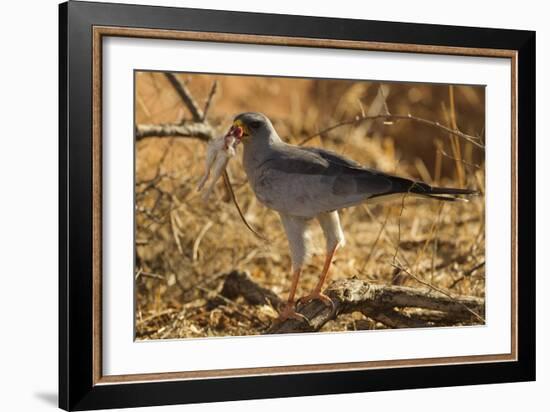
column 218, row 153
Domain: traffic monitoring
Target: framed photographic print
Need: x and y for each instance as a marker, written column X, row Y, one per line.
column 259, row 205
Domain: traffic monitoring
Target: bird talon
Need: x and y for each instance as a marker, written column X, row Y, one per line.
column 289, row 312
column 317, row 295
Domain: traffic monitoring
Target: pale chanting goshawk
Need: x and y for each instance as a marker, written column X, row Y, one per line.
column 305, row 183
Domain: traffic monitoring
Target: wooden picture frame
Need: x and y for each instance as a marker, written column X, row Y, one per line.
column 83, row 26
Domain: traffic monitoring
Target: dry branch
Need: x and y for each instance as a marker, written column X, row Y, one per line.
column 239, row 284
column 213, row 90
column 378, row 302
column 391, row 117
column 185, row 96
column 197, row 130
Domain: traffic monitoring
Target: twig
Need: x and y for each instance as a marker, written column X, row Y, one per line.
column 467, row 274
column 400, row 267
column 156, row 315
column 176, row 232
column 388, row 117
column 158, row 175
column 242, row 311
column 399, row 226
column 185, row 95
column 197, row 242
column 142, row 104
column 386, row 233
column 152, row 275
column 140, row 273
column 384, row 99
column 454, row 139
column 209, row 99
column 444, row 153
column 373, row 247
column 436, row 241
column 432, row 235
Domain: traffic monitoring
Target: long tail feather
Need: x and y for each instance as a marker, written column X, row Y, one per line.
column 444, row 198
column 448, row 191
column 448, row 194
column 403, row 185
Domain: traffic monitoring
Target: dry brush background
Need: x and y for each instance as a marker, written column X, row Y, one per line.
column 185, row 248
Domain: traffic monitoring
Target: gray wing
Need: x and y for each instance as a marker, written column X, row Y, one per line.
column 371, row 181
column 398, row 184
column 308, row 181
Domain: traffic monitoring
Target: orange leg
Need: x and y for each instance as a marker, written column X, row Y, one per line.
column 316, row 293
column 288, row 310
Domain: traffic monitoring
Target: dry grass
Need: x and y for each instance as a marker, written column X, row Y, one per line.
column 185, row 246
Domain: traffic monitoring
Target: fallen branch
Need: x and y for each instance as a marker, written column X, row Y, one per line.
column 379, row 302
column 439, row 290
column 240, row 284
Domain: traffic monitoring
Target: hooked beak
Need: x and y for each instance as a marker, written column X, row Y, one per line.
column 238, row 130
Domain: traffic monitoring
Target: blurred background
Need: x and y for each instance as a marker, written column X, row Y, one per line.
column 185, row 246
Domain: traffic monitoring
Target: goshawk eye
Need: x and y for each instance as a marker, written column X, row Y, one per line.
column 255, row 125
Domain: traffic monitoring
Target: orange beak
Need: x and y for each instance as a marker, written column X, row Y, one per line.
column 238, row 130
